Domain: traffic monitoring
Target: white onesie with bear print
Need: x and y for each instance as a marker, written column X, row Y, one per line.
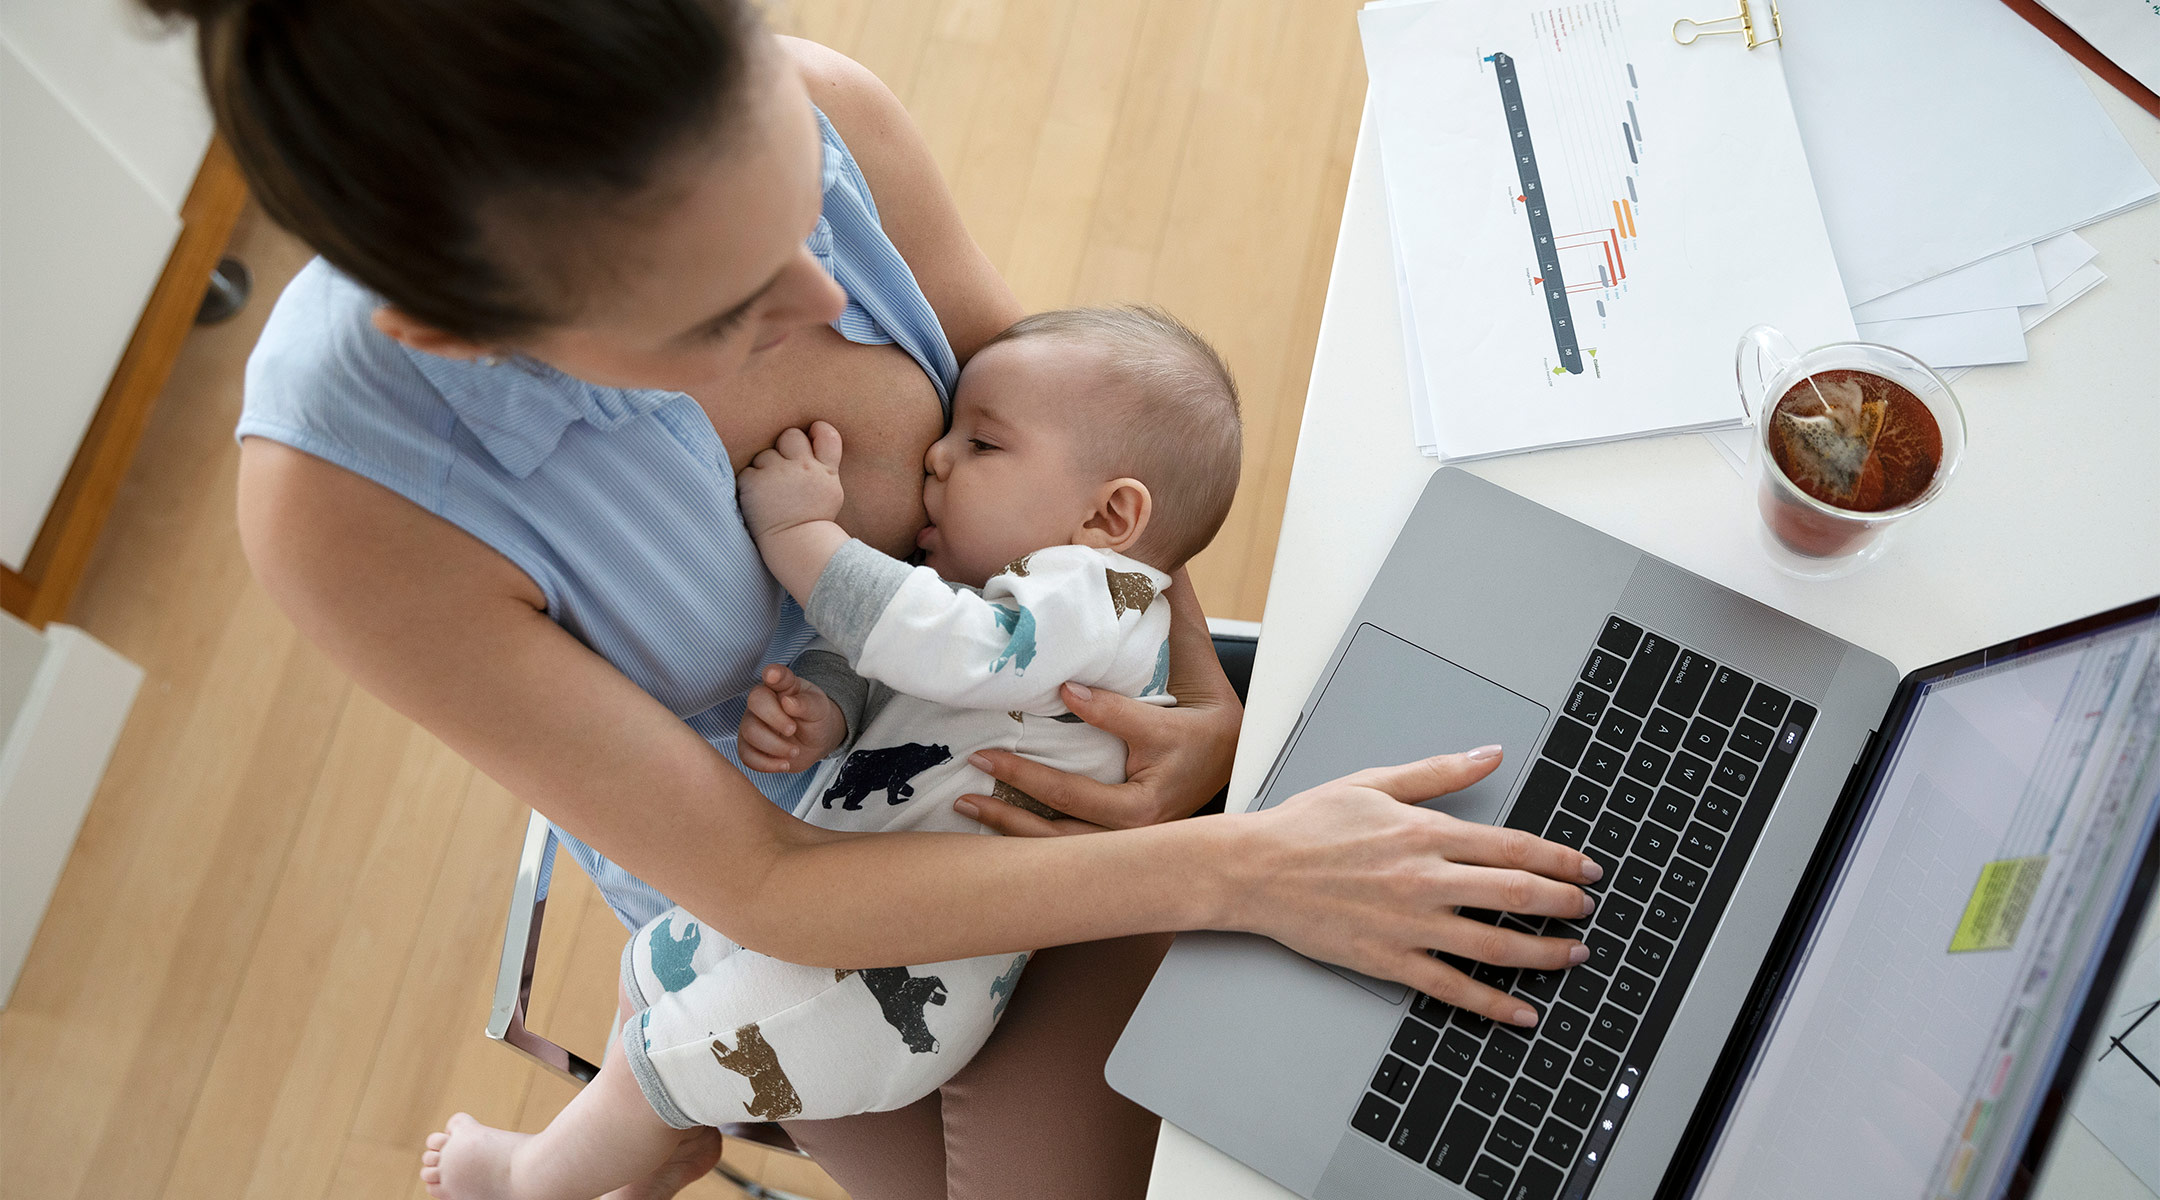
column 940, row 671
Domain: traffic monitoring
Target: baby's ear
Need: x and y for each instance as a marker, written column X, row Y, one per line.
column 1120, row 516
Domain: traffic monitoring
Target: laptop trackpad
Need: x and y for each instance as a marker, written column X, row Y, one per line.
column 1390, row 702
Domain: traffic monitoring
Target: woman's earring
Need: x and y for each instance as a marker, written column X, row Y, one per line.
column 489, row 360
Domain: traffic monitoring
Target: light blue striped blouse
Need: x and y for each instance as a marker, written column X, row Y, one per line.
column 619, row 504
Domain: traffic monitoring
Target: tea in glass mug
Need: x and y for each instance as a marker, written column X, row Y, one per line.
column 1849, row 438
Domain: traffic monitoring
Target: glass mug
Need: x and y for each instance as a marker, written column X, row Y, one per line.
column 1806, row 536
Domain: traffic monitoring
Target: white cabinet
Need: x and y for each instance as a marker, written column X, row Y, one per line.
column 102, row 127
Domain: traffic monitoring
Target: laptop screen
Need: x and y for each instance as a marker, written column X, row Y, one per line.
column 1946, row 961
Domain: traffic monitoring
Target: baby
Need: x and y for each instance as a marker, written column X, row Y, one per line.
column 1092, row 452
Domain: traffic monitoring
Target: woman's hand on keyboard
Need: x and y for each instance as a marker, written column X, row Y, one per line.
column 1352, row 872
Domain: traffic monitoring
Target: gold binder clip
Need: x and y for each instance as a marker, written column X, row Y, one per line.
column 1744, row 24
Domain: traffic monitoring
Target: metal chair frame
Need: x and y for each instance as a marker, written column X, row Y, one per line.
column 1234, row 641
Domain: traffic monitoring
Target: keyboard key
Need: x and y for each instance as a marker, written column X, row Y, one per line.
column 1612, row 834
column 1435, row 1012
column 1485, row 1090
column 1539, row 1181
column 1394, row 1079
column 1490, row 1178
column 1494, row 976
column 1413, row 1136
column 1471, row 1023
column 1649, row 953
column 1601, row 762
column 1728, row 691
column 1735, row 774
column 1586, row 704
column 1565, row 743
column 1718, row 809
column 1665, row 729
column 1504, row 1051
column 1685, row 880
column 1458, row 1145
column 1619, row 727
column 1654, row 843
column 1509, row 1141
column 1594, row 1065
column 1620, row 636
column 1617, row 916
column 1701, row 843
column 1558, row 1140
column 1527, row 1101
column 1520, row 923
column 1583, row 798
column 1604, row 670
column 1648, row 763
column 1637, row 878
column 1543, row 785
column 1752, row 738
column 1457, row 1050
column 1767, row 704
column 1645, row 676
column 1690, row 676
column 1583, row 989
column 1630, row 990
column 1565, row 1027
column 1630, row 798
column 1689, row 773
column 1375, row 1117
column 1546, row 1063
column 1613, row 1026
column 1665, row 917
column 1567, row 829
column 1576, row 1104
column 1537, row 986
column 1705, row 738
column 1671, row 808
column 1414, row 1040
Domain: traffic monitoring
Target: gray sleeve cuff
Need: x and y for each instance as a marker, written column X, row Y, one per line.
column 857, row 584
column 832, row 675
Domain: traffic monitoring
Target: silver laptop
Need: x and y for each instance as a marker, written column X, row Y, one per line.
column 1827, row 892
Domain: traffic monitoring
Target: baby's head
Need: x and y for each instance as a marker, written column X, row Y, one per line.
column 1108, row 427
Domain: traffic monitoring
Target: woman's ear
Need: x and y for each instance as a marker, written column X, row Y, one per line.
column 394, row 322
column 1120, row 516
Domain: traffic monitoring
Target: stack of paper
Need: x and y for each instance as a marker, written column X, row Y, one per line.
column 1949, row 142
column 1586, row 218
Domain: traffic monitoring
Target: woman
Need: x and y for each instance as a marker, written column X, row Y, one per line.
column 583, row 259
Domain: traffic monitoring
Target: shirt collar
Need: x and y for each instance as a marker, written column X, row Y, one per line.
column 519, row 408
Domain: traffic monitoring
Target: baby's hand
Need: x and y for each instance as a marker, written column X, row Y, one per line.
column 794, row 483
column 790, row 724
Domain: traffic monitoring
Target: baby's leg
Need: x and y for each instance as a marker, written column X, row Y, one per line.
column 606, row 1140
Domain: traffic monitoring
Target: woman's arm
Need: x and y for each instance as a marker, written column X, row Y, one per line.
column 454, row 636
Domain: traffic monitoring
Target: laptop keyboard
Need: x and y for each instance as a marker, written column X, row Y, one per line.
column 1663, row 767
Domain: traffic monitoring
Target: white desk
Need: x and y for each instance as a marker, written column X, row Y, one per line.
column 2055, row 513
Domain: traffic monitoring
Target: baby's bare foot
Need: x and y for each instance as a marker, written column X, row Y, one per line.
column 469, row 1161
column 693, row 1160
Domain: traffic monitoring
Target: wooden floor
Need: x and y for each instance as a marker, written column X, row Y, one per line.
column 267, row 966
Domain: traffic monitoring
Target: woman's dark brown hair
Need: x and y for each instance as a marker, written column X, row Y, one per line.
column 411, row 142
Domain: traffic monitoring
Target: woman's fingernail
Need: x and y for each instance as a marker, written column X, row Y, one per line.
column 966, row 808
column 1589, row 905
column 1482, row 753
column 1578, row 954
column 1591, row 872
column 1524, row 1016
column 1082, row 690
column 980, row 762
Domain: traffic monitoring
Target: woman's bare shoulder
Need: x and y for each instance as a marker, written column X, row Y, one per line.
column 914, row 204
